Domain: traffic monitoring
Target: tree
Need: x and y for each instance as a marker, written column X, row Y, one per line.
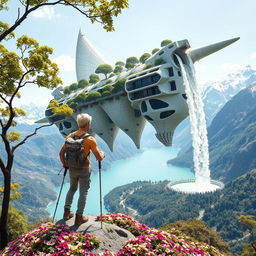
column 131, row 62
column 73, row 87
column 155, row 50
column 249, row 223
column 17, row 221
column 66, row 90
column 144, row 57
column 118, row 69
column 101, row 11
column 93, row 79
column 104, row 69
column 83, row 83
column 33, row 66
column 165, row 42
column 120, row 63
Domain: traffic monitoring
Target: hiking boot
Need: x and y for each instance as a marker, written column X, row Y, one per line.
column 67, row 214
column 80, row 220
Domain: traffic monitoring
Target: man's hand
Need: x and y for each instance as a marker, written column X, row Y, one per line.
column 101, row 155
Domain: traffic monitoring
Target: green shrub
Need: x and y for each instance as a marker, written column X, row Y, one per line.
column 149, row 65
column 159, row 61
column 83, row 83
column 155, row 50
column 165, row 42
column 106, row 93
column 144, row 57
column 93, row 96
column 93, row 78
column 118, row 69
column 73, row 87
column 119, row 85
column 131, row 62
column 66, row 90
column 80, row 98
column 17, row 223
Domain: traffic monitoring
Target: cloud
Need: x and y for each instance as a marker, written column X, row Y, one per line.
column 65, row 63
column 253, row 55
column 231, row 66
column 45, row 12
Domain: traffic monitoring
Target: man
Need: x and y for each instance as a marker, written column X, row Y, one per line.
column 82, row 174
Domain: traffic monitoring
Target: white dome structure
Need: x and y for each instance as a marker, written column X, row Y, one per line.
column 87, row 57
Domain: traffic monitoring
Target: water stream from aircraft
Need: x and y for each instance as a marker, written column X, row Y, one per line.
column 198, row 125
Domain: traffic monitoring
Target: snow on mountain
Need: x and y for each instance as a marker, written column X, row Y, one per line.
column 216, row 94
column 33, row 113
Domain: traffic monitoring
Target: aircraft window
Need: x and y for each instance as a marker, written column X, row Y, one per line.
column 67, row 125
column 143, row 82
column 144, row 107
column 179, row 73
column 137, row 113
column 61, row 127
column 157, row 104
column 145, row 93
column 170, row 70
column 160, row 53
column 173, row 86
column 165, row 114
column 184, row 96
column 148, row 118
column 156, row 78
column 176, row 61
column 170, row 46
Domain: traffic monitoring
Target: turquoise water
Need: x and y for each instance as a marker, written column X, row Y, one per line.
column 148, row 165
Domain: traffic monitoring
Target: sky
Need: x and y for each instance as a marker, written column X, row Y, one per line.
column 141, row 28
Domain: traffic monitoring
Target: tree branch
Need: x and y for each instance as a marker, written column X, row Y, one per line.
column 2, row 166
column 30, row 135
column 24, row 16
column 18, row 15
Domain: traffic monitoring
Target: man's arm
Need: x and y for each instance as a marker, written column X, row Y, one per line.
column 99, row 155
column 62, row 156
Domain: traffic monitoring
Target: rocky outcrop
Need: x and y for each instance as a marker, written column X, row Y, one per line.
column 111, row 236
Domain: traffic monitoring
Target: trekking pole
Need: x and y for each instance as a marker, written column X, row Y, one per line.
column 65, row 172
column 100, row 195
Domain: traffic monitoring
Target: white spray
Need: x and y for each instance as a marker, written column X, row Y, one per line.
column 198, row 125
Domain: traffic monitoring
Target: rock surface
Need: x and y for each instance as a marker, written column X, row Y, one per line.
column 111, row 236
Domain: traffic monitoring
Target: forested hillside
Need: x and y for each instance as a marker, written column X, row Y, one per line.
column 154, row 205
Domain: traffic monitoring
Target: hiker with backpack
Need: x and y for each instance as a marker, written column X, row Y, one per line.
column 74, row 155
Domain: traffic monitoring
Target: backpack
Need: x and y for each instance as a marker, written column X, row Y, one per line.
column 75, row 151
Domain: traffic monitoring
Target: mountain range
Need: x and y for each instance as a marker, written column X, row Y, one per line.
column 215, row 96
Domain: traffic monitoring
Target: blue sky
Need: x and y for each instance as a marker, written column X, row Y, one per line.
column 142, row 27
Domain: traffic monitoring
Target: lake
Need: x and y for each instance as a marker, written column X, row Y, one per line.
column 150, row 165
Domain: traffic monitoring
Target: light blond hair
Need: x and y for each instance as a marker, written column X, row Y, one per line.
column 83, row 119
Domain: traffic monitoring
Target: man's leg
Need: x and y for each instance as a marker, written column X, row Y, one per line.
column 84, row 185
column 74, row 177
